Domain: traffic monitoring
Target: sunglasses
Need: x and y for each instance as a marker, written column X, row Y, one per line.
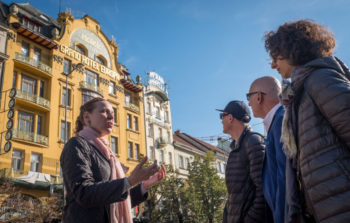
column 252, row 93
column 222, row 115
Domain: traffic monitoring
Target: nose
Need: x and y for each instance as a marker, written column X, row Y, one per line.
column 273, row 65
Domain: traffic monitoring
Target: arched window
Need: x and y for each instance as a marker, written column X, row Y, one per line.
column 80, row 49
column 101, row 60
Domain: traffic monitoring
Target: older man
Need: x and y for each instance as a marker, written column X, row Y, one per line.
column 245, row 201
column 263, row 98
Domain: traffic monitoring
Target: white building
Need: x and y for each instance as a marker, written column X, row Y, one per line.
column 158, row 120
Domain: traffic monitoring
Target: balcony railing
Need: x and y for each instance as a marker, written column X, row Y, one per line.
column 33, row 98
column 160, row 123
column 92, row 87
column 132, row 107
column 30, row 136
column 41, row 66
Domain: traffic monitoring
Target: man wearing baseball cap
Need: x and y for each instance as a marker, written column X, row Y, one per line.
column 245, row 202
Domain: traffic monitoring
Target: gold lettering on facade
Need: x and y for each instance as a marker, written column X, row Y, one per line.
column 89, row 62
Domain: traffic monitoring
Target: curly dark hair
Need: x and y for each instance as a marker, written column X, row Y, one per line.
column 300, row 42
column 89, row 106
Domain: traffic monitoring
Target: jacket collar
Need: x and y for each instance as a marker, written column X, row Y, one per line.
column 235, row 146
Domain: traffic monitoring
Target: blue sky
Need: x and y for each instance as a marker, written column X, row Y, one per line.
column 207, row 51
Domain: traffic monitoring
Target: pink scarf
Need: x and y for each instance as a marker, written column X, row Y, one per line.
column 120, row 211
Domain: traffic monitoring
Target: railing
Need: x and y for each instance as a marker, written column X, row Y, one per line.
column 33, row 98
column 41, row 66
column 30, row 136
column 86, row 85
column 132, row 107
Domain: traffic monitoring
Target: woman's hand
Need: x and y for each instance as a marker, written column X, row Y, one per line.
column 155, row 178
column 141, row 173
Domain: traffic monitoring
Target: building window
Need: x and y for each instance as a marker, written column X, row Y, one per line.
column 100, row 60
column 160, row 134
column 41, row 90
column 127, row 98
column 25, row 49
column 168, row 137
column 112, row 88
column 130, row 150
column 66, row 97
column 181, row 162
column 28, row 85
column 91, row 78
column 115, row 115
column 219, row 167
column 25, row 122
column 150, row 130
column 187, row 163
column 136, row 124
column 67, row 66
column 63, row 131
column 36, row 56
column 80, row 49
column 170, row 156
column 161, row 156
column 86, row 97
column 35, row 162
column 17, row 160
column 137, row 151
column 128, row 121
column 157, row 112
column 114, row 144
column 151, row 152
column 39, row 124
column 14, row 79
column 166, row 117
column 149, row 108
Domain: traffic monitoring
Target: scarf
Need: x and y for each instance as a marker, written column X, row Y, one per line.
column 288, row 97
column 120, row 212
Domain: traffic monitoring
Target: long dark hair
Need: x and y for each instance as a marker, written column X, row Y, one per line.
column 89, row 106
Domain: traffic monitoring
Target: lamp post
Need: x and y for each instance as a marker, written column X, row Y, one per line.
column 74, row 67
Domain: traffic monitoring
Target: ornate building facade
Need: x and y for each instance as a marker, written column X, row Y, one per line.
column 55, row 66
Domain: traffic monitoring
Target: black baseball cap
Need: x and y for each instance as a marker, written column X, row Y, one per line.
column 238, row 109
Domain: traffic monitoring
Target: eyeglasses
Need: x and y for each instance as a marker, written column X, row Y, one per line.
column 222, row 115
column 252, row 93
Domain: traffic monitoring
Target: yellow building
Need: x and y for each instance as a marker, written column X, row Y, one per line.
column 42, row 53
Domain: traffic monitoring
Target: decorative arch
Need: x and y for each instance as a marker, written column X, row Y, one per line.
column 93, row 44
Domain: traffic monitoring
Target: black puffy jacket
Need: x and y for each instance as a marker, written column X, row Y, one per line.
column 243, row 177
column 86, row 174
column 323, row 129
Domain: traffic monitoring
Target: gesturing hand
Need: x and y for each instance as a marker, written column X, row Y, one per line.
column 155, row 178
column 141, row 173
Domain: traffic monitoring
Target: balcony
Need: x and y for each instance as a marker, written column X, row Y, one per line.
column 132, row 107
column 91, row 87
column 30, row 136
column 33, row 98
column 163, row 124
column 37, row 64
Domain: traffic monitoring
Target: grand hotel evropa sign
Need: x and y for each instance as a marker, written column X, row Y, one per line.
column 88, row 62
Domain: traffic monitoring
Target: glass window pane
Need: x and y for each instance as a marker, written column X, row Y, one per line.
column 25, row 49
column 137, row 151
column 130, row 150
column 35, row 162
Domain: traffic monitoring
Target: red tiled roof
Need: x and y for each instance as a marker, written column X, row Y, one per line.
column 192, row 142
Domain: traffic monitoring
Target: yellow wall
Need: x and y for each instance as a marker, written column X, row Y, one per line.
column 54, row 83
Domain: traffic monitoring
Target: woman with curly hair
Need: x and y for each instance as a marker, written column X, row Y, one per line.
column 316, row 129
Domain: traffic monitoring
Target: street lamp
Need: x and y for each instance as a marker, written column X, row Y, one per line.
column 74, row 67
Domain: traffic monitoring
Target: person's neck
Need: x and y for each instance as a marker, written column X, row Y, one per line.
column 237, row 132
column 267, row 108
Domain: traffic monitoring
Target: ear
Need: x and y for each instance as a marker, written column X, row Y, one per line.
column 260, row 98
column 86, row 117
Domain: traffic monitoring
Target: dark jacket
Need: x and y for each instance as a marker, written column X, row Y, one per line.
column 323, row 140
column 243, row 176
column 86, row 174
column 274, row 178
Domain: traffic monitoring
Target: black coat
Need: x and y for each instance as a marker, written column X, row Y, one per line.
column 243, row 177
column 323, row 129
column 86, row 174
